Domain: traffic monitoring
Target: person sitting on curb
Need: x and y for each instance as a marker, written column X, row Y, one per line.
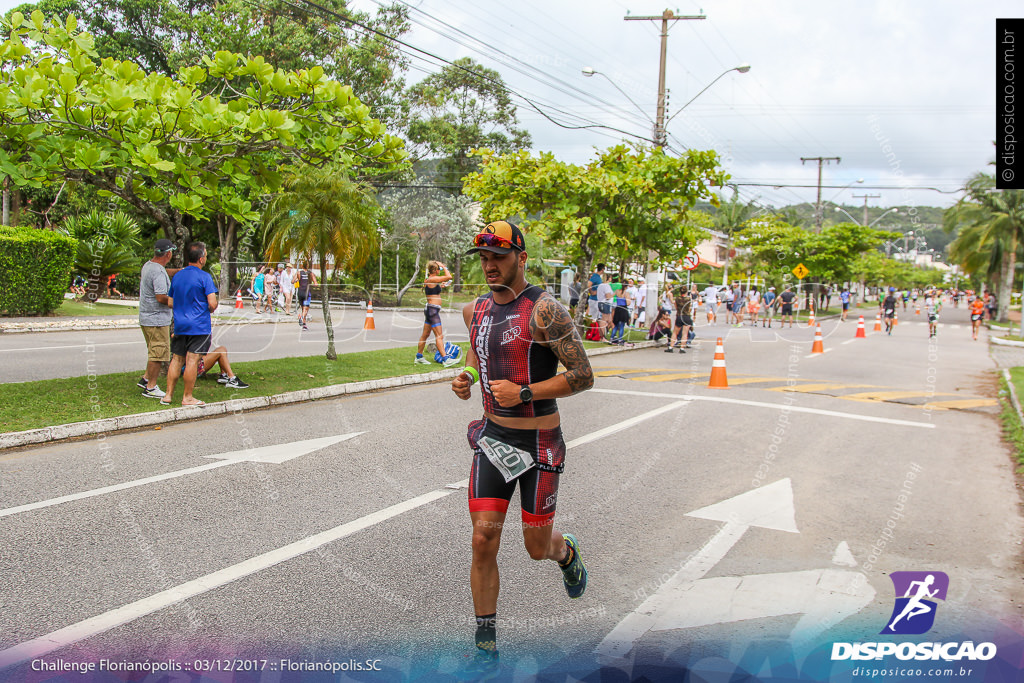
column 218, row 356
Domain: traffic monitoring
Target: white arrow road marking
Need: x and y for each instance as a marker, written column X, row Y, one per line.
column 270, row 454
column 769, row 506
column 823, row 596
column 87, row 628
column 773, row 406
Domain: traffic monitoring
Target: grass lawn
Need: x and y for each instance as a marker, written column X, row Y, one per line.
column 1013, row 430
column 30, row 405
column 80, row 309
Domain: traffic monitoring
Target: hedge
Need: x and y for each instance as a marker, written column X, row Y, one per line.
column 35, row 270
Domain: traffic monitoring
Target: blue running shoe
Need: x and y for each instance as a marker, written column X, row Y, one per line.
column 575, row 575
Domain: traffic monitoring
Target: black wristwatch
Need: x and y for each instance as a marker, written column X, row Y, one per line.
column 525, row 395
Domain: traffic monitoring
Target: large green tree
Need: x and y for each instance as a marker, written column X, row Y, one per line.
column 991, row 233
column 159, row 143
column 629, row 199
column 329, row 220
column 463, row 107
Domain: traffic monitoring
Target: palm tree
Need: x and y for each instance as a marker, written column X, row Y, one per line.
column 106, row 245
column 730, row 217
column 324, row 216
column 991, row 226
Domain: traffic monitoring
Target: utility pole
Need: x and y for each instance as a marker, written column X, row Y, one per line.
column 866, row 197
column 817, row 210
column 666, row 16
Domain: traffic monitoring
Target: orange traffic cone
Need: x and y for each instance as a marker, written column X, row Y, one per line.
column 878, row 323
column 810, row 320
column 718, row 379
column 818, row 347
column 917, row 309
column 895, row 318
column 860, row 329
column 368, row 323
column 238, row 299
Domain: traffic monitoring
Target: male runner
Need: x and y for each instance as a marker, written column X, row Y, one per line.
column 888, row 307
column 932, row 307
column 518, row 334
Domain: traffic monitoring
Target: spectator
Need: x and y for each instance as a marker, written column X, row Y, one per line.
column 270, row 287
column 684, row 320
column 620, row 317
column 632, row 294
column 257, row 289
column 219, row 356
column 286, row 281
column 661, row 326
column 641, row 306
column 574, row 293
column 304, row 282
column 155, row 314
column 596, row 278
column 193, row 296
column 605, row 306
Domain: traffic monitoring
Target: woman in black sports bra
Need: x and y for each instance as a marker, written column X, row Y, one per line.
column 437, row 275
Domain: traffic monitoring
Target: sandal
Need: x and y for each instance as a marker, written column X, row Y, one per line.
column 197, row 403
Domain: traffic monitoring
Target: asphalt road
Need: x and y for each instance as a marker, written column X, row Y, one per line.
column 49, row 355
column 719, row 526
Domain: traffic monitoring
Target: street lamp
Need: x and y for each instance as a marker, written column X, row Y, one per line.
column 589, row 72
column 742, row 68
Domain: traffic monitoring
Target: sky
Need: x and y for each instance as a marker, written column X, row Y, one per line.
column 903, row 92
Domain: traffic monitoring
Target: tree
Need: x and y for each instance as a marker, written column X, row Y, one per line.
column 729, row 218
column 991, row 224
column 327, row 218
column 430, row 221
column 106, row 246
column 161, row 145
column 629, row 199
column 465, row 106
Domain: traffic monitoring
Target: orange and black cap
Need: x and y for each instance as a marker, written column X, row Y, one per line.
column 499, row 237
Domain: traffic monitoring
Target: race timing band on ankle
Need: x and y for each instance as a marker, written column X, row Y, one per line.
column 472, row 372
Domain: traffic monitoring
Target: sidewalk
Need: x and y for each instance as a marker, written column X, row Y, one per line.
column 235, row 406
column 226, row 314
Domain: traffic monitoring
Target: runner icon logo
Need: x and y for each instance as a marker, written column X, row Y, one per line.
column 916, row 595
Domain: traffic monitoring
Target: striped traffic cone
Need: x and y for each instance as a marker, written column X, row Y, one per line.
column 895, row 318
column 917, row 309
column 718, row 379
column 819, row 346
column 810, row 320
column 368, row 323
column 878, row 323
column 861, row 333
column 238, row 300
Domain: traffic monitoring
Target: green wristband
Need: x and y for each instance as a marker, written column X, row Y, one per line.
column 471, row 371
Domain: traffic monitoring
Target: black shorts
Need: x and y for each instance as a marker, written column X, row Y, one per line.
column 538, row 488
column 191, row 343
column 975, row 317
column 683, row 320
column 889, row 312
column 432, row 315
column 787, row 309
column 846, row 307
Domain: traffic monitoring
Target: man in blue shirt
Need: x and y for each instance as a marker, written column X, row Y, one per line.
column 845, row 298
column 595, row 280
column 193, row 297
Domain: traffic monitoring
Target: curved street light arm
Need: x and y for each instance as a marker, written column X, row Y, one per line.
column 742, row 68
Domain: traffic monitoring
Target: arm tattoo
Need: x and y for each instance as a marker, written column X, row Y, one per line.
column 552, row 326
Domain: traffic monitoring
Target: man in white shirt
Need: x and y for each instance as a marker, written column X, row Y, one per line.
column 631, row 298
column 285, row 277
column 605, row 305
column 641, row 305
column 711, row 303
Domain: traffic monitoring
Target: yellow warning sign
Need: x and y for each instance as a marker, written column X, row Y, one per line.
column 801, row 271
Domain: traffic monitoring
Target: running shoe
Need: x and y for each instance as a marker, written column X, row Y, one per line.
column 449, row 361
column 575, row 575
column 155, row 392
column 142, row 383
column 420, row 360
column 223, row 378
column 482, row 667
column 236, row 383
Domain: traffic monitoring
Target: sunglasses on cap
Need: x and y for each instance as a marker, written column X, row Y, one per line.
column 486, row 239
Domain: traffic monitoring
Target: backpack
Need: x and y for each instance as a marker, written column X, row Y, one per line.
column 594, row 332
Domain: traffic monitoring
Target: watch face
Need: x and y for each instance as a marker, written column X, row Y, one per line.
column 525, row 395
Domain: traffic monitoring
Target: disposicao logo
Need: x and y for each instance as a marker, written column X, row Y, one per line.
column 914, row 614
column 916, row 595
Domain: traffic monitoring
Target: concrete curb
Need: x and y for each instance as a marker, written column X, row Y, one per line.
column 234, row 406
column 998, row 341
column 1013, row 395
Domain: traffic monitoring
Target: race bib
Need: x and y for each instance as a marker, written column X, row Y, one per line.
column 509, row 460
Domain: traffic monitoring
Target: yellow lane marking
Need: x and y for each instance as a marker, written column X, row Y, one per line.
column 888, row 395
column 669, row 377
column 966, row 403
column 821, row 386
column 612, row 372
column 753, row 380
